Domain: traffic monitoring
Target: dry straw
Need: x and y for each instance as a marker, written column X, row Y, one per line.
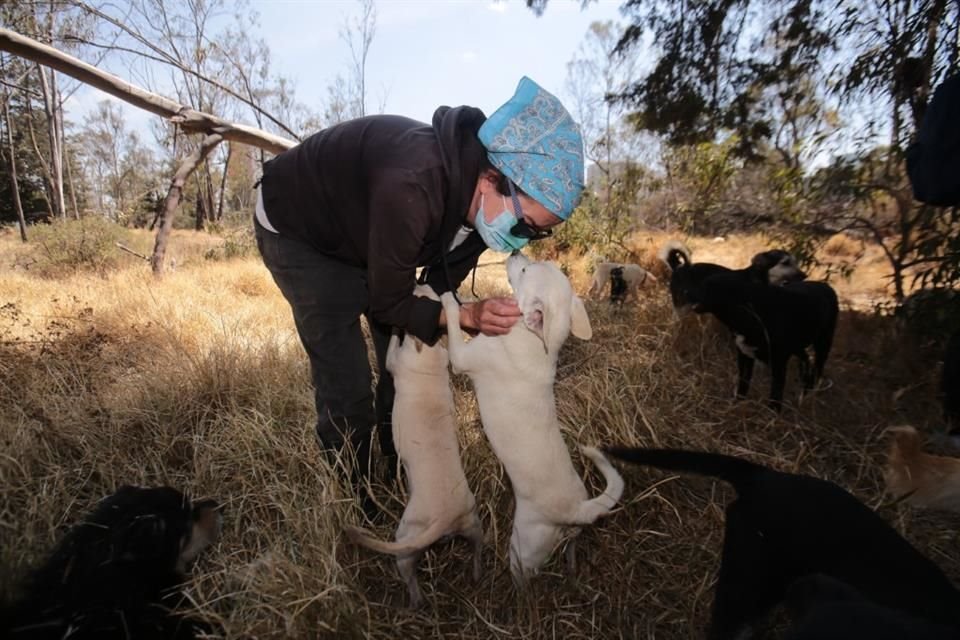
column 198, row 381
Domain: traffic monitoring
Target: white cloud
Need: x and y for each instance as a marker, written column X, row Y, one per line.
column 500, row 6
column 468, row 56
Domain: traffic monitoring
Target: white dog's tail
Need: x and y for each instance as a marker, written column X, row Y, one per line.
column 421, row 541
column 590, row 510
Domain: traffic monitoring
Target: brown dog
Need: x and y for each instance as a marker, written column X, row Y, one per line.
column 919, row 478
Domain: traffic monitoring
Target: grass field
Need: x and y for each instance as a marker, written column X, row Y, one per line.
column 199, row 381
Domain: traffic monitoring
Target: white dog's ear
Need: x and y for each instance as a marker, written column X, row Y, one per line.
column 579, row 322
column 535, row 319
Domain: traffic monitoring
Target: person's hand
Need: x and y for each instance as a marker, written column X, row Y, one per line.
column 491, row 317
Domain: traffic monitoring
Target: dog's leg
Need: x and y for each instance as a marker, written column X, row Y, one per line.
column 806, row 371
column 474, row 533
column 571, row 552
column 746, row 588
column 821, row 349
column 458, row 350
column 744, row 374
column 778, row 380
column 407, row 564
column 594, row 287
column 407, row 567
column 532, row 540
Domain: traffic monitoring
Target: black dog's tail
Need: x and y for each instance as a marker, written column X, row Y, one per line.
column 738, row 472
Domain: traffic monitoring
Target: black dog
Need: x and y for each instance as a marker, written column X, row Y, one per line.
column 783, row 527
column 618, row 286
column 771, row 324
column 115, row 575
column 826, row 609
column 687, row 277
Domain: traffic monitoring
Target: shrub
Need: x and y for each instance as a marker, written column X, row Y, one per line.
column 237, row 243
column 68, row 246
column 931, row 313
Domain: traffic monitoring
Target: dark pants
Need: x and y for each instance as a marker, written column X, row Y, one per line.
column 328, row 297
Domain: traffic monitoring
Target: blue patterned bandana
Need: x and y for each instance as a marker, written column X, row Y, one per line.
column 534, row 141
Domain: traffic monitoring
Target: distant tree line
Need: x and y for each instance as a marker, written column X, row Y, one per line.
column 200, row 53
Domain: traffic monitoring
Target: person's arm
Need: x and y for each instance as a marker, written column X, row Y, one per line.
column 400, row 220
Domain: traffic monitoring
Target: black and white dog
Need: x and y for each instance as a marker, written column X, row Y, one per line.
column 687, row 277
column 116, row 574
column 618, row 286
column 783, row 527
column 772, row 323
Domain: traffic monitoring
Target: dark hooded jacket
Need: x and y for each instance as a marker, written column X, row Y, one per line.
column 386, row 194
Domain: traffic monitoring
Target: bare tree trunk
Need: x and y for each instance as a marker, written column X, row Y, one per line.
column 48, row 92
column 15, row 184
column 207, row 191
column 44, row 166
column 186, row 168
column 199, row 209
column 73, row 193
column 223, row 182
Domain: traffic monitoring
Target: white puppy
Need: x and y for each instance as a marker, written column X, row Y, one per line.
column 441, row 504
column 513, row 377
column 634, row 275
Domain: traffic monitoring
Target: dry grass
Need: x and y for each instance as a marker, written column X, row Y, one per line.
column 199, row 381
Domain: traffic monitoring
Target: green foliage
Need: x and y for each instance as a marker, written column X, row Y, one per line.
column 602, row 221
column 719, row 63
column 701, row 175
column 577, row 234
column 238, row 242
column 66, row 247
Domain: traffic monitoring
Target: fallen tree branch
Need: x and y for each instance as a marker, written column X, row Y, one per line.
column 129, row 250
column 189, row 119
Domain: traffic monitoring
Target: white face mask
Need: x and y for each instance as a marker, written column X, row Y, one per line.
column 496, row 235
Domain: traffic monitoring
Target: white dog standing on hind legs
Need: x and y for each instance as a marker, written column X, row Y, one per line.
column 513, row 377
column 440, row 503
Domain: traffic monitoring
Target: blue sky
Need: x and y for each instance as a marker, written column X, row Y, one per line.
column 425, row 53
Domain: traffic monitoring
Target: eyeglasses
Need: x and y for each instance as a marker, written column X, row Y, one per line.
column 523, row 229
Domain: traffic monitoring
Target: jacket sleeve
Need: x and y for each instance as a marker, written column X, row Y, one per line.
column 400, row 221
